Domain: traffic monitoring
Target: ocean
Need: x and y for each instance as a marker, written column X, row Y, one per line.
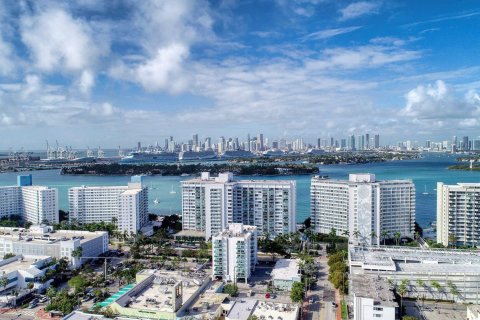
column 424, row 172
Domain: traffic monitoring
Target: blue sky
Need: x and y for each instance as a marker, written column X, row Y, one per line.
column 111, row 73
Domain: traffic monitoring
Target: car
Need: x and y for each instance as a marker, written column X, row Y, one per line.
column 311, row 301
column 251, row 285
column 334, row 304
column 267, row 295
column 32, row 305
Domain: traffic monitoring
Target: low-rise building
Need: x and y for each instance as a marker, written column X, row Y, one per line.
column 427, row 273
column 44, row 241
column 234, row 252
column 157, row 295
column 24, row 272
column 244, row 308
column 372, row 298
column 285, row 273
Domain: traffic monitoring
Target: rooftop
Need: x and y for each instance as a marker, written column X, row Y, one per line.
column 242, row 309
column 285, row 269
column 156, row 291
column 372, row 287
column 37, row 236
column 228, row 178
column 20, row 263
column 386, row 256
column 237, row 230
column 275, row 311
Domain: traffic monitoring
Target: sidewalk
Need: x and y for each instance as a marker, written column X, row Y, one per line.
column 337, row 301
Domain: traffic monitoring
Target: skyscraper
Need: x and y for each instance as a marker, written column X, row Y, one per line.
column 352, row 142
column 367, row 141
column 210, row 204
column 260, row 142
column 377, row 141
column 458, row 214
column 465, row 144
column 363, row 207
column 195, row 141
column 248, row 142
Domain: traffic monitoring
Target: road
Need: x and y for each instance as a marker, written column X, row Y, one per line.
column 323, row 295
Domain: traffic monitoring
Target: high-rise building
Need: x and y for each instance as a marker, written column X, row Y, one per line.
column 248, row 142
column 210, row 204
column 260, row 142
column 126, row 206
column 352, row 142
column 234, row 253
column 367, row 141
column 377, row 141
column 465, row 144
column 195, row 141
column 363, row 207
column 36, row 204
column 458, row 214
column 208, row 143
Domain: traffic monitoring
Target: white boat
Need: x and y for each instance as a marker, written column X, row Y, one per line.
column 172, row 191
column 425, row 192
column 156, row 201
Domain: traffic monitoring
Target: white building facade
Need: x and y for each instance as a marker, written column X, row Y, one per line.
column 36, row 204
column 362, row 207
column 126, row 206
column 210, row 204
column 458, row 214
column 234, row 253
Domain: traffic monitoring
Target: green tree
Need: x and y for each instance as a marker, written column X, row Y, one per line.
column 8, row 256
column 4, row 282
column 298, row 293
column 397, row 236
column 230, row 289
column 453, row 289
column 77, row 252
column 385, row 235
column 402, row 291
column 436, row 286
column 78, row 283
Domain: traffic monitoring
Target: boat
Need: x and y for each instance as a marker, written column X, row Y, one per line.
column 195, row 156
column 425, row 192
column 185, row 175
column 172, row 191
column 150, row 157
column 156, row 201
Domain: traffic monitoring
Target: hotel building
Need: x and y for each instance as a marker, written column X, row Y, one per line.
column 126, row 206
column 234, row 252
column 210, row 204
column 363, row 207
column 458, row 214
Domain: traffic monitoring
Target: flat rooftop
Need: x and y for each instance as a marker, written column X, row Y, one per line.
column 388, row 256
column 372, row 287
column 242, row 309
column 29, row 236
column 19, row 264
column 285, row 269
column 156, row 295
column 284, row 311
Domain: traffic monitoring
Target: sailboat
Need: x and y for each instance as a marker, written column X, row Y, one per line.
column 156, row 201
column 425, row 192
column 172, row 191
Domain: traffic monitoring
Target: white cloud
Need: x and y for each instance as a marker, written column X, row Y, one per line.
column 86, row 81
column 329, row 33
column 58, row 42
column 165, row 70
column 358, row 9
column 439, row 105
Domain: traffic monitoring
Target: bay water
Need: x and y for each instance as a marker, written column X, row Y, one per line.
column 425, row 172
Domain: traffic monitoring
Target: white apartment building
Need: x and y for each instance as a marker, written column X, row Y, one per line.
column 36, row 204
column 127, row 206
column 458, row 214
column 210, row 204
column 44, row 241
column 234, row 252
column 363, row 207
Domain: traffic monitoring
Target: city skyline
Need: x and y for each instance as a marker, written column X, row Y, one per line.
column 141, row 71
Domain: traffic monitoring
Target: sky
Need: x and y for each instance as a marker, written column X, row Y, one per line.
column 111, row 73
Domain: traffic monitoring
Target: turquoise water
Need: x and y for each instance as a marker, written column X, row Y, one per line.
column 424, row 172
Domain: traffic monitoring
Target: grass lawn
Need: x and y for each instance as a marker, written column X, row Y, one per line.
column 344, row 310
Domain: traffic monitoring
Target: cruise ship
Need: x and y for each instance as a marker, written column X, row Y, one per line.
column 197, row 155
column 149, row 157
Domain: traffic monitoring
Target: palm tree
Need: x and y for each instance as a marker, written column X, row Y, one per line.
column 373, row 234
column 397, row 236
column 402, row 290
column 420, row 284
column 452, row 240
column 4, row 282
column 384, row 236
column 453, row 289
column 356, row 234
column 346, row 233
column 436, row 286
